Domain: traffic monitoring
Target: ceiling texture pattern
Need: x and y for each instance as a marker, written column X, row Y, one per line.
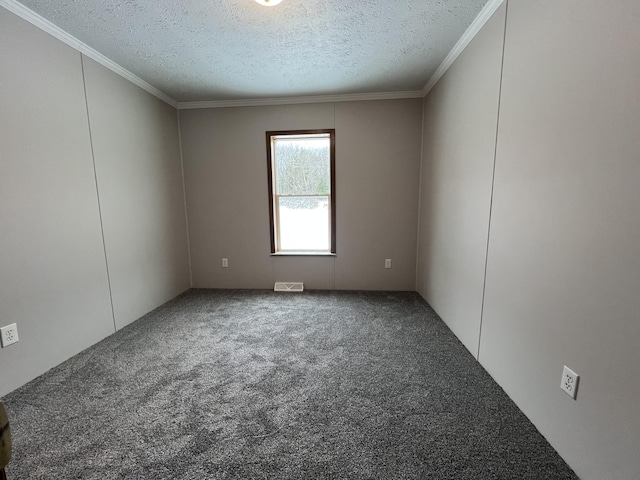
column 197, row 50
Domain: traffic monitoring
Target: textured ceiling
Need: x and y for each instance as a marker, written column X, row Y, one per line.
column 196, row 50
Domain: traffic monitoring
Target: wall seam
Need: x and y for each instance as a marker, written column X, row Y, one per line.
column 424, row 110
column 95, row 177
column 493, row 178
column 184, row 197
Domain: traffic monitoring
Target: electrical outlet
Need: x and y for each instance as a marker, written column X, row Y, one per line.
column 9, row 335
column 387, row 263
column 225, row 262
column 569, row 383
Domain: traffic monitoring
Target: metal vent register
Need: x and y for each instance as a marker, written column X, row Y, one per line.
column 289, row 287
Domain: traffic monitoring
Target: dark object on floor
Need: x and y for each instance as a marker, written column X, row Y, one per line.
column 5, row 441
column 233, row 384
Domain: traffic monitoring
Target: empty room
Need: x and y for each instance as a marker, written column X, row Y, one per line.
column 290, row 239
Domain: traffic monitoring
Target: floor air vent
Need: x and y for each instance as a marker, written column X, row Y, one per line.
column 289, row 287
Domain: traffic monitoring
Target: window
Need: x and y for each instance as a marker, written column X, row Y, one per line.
column 302, row 202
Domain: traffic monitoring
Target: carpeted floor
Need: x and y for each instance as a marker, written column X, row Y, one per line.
column 221, row 384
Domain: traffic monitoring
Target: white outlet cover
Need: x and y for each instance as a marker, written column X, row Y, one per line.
column 9, row 335
column 569, row 382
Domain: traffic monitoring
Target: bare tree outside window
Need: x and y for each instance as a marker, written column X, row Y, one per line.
column 301, row 191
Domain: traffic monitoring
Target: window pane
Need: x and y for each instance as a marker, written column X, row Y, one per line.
column 304, row 223
column 302, row 166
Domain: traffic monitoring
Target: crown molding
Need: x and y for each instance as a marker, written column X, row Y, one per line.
column 45, row 25
column 30, row 16
column 258, row 102
column 482, row 18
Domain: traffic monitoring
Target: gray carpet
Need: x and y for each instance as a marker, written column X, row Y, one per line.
column 262, row 385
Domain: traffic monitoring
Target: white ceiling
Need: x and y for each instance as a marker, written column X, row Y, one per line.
column 205, row 50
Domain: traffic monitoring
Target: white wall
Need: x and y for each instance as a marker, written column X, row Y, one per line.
column 137, row 159
column 53, row 270
column 563, row 265
column 461, row 115
column 377, row 166
column 53, row 280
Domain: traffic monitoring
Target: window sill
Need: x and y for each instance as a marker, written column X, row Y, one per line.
column 303, row 254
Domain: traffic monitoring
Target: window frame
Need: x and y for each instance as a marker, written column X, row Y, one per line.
column 273, row 197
